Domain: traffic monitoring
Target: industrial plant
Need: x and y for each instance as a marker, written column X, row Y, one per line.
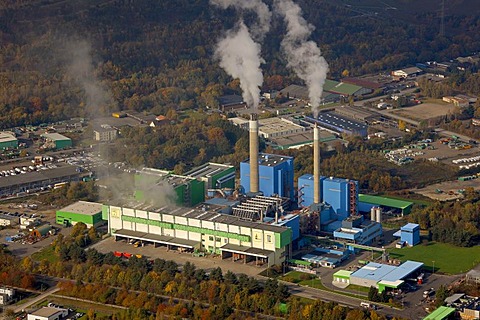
column 260, row 219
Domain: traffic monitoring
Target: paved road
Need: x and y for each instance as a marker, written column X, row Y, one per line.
column 35, row 300
column 209, row 263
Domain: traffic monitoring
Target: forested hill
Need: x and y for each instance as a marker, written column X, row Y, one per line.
column 156, row 55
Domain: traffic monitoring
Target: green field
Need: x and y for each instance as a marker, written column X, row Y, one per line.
column 448, row 258
column 46, row 253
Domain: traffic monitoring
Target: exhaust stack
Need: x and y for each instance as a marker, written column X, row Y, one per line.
column 253, row 153
column 316, row 165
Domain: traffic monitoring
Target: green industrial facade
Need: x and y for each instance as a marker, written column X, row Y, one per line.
column 70, row 218
column 62, row 144
column 90, row 213
column 188, row 191
column 228, row 184
column 9, row 144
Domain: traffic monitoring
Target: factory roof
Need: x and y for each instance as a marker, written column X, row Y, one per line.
column 301, row 139
column 382, row 201
column 275, row 124
column 230, row 100
column 55, row 136
column 41, row 175
column 409, row 227
column 334, row 120
column 6, row 137
column 440, row 313
column 83, row 207
column 384, row 272
column 295, row 91
column 267, row 159
column 207, row 170
column 208, row 216
column 362, row 82
column 8, row 217
column 358, row 113
column 172, row 179
column 47, row 312
column 340, row 87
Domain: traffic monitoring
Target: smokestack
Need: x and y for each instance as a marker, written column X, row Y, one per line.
column 316, row 165
column 254, row 152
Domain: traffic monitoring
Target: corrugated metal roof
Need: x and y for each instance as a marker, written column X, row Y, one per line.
column 440, row 313
column 384, row 272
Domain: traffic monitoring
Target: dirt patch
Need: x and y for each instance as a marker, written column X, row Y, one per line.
column 448, row 190
column 425, row 111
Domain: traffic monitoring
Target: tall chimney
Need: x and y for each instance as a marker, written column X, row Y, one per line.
column 254, row 152
column 316, row 165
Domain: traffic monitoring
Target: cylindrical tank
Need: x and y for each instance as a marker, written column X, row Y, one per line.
column 373, row 214
column 379, row 215
column 253, row 153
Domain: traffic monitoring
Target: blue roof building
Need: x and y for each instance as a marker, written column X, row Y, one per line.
column 384, row 276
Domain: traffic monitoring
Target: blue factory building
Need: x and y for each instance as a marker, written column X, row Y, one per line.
column 275, row 175
column 409, row 234
column 355, row 229
column 340, row 194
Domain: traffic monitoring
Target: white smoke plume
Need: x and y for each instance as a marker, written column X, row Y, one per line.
column 303, row 55
column 81, row 68
column 240, row 57
column 261, row 28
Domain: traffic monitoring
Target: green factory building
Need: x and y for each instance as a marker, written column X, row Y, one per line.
column 89, row 213
column 57, row 141
column 216, row 176
column 163, row 187
column 8, row 141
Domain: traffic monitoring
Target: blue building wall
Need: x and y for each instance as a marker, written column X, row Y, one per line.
column 305, row 190
column 410, row 233
column 273, row 179
column 294, row 224
column 365, row 207
column 334, row 191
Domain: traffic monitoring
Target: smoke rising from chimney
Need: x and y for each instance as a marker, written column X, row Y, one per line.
column 304, row 56
column 262, row 26
column 81, row 68
column 240, row 57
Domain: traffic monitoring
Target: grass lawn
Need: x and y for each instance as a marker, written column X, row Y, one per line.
column 448, row 258
column 361, row 289
column 46, row 253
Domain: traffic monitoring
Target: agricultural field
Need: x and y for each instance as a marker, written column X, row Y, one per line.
column 447, row 258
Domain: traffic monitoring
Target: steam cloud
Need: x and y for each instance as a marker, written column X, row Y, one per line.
column 304, row 57
column 261, row 28
column 240, row 57
column 81, row 69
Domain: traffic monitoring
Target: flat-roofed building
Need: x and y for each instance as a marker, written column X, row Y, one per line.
column 89, row 213
column 8, row 141
column 381, row 276
column 194, row 229
column 48, row 313
column 105, row 133
column 277, row 127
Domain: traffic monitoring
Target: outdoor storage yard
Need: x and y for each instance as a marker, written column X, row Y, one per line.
column 448, row 190
column 424, row 111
